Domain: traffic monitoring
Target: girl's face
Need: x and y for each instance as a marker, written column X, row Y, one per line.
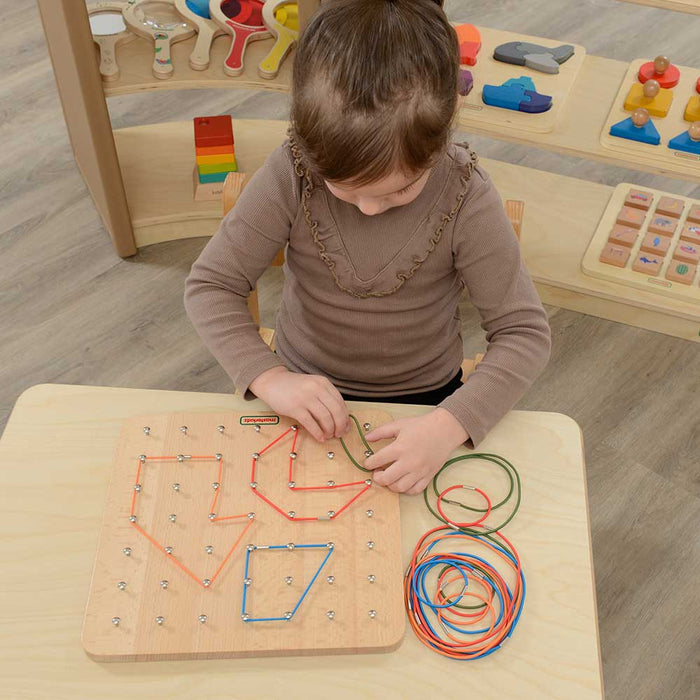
column 394, row 190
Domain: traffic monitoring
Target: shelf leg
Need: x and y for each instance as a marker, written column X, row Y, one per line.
column 72, row 52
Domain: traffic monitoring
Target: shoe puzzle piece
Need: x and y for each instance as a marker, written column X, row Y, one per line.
column 534, row 56
column 518, row 94
column 469, row 43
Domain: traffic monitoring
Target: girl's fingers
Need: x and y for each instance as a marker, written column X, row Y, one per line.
column 403, row 484
column 383, row 458
column 338, row 410
column 388, row 476
column 418, row 487
column 309, row 422
column 388, row 430
column 323, row 417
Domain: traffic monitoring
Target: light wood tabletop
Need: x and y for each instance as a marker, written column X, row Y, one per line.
column 56, row 455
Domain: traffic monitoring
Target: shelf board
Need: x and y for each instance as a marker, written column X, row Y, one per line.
column 690, row 6
column 157, row 162
column 136, row 57
column 157, row 166
column 578, row 129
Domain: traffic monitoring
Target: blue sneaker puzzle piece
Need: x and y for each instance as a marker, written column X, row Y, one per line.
column 518, row 94
column 683, row 142
column 626, row 129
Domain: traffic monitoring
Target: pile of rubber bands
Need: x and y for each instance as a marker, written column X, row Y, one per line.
column 459, row 603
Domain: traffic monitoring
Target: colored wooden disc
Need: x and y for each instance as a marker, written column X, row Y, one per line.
column 668, row 79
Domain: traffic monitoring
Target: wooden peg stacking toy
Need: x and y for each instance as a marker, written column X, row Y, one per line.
column 469, row 43
column 651, row 96
column 196, row 12
column 159, row 21
column 215, row 155
column 109, row 31
column 281, row 17
column 243, row 19
column 662, row 70
column 688, row 141
column 638, row 127
column 692, row 110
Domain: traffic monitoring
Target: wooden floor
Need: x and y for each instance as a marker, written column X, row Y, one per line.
column 73, row 312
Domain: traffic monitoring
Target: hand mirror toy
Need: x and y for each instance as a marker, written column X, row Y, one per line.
column 158, row 20
column 196, row 12
column 108, row 32
column 243, row 19
column 282, row 19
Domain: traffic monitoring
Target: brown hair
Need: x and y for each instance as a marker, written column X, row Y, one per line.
column 374, row 88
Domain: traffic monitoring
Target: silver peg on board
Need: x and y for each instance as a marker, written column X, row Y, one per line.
column 245, row 617
column 330, row 455
column 218, row 456
column 331, row 514
column 366, row 426
column 372, row 614
column 371, row 578
column 206, row 582
column 251, row 515
column 116, row 621
column 290, row 546
column 256, row 427
column 163, row 584
column 247, row 581
column 288, row 615
column 142, row 458
column 256, row 455
column 127, row 551
column 330, row 545
column 292, row 514
column 288, row 580
column 330, row 614
column 291, row 484
column 168, row 550
column 209, row 549
column 221, row 428
column 172, row 517
column 137, row 488
column 176, row 487
column 160, row 620
column 330, row 483
column 330, row 579
column 121, row 585
column 369, row 513
column 202, row 618
column 292, row 455
column 368, row 453
column 183, row 429
column 132, row 518
column 370, row 545
column 216, row 485
column 295, row 428
column 212, row 516
column 368, row 482
column 146, row 430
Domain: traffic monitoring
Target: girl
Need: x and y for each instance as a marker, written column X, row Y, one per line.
column 385, row 223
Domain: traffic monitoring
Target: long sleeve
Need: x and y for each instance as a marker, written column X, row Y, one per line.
column 226, row 272
column 487, row 256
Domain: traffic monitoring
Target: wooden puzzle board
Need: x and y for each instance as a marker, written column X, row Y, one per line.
column 591, row 264
column 489, row 71
column 668, row 127
column 351, row 596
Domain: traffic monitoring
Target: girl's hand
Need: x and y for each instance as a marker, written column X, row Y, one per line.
column 309, row 399
column 421, row 446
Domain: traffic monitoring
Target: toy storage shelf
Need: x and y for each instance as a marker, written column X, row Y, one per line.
column 690, row 6
column 578, row 130
column 163, row 210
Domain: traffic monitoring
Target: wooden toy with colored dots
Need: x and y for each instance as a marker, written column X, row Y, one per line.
column 231, row 534
column 196, row 12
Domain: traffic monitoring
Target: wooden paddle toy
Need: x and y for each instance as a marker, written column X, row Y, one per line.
column 281, row 17
column 207, row 30
column 243, row 20
column 159, row 21
column 108, row 32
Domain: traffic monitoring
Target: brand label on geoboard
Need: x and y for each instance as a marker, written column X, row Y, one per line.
column 259, row 420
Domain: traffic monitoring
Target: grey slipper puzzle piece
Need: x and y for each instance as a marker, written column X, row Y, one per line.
column 541, row 58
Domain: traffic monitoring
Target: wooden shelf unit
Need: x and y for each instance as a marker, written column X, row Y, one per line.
column 690, row 6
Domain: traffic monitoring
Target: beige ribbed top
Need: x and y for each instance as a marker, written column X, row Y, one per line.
column 371, row 302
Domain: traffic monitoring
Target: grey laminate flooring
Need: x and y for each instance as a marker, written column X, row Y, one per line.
column 73, row 312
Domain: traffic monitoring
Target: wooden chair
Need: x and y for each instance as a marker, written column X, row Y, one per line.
column 235, row 182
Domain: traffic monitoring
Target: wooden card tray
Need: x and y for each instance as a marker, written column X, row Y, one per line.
column 668, row 127
column 489, row 71
column 353, row 589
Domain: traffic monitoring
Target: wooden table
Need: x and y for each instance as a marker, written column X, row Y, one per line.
column 56, row 456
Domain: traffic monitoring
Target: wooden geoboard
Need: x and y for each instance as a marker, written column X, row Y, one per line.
column 341, row 579
column 489, row 71
column 668, row 127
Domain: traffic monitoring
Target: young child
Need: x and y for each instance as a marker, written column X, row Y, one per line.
column 385, row 222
